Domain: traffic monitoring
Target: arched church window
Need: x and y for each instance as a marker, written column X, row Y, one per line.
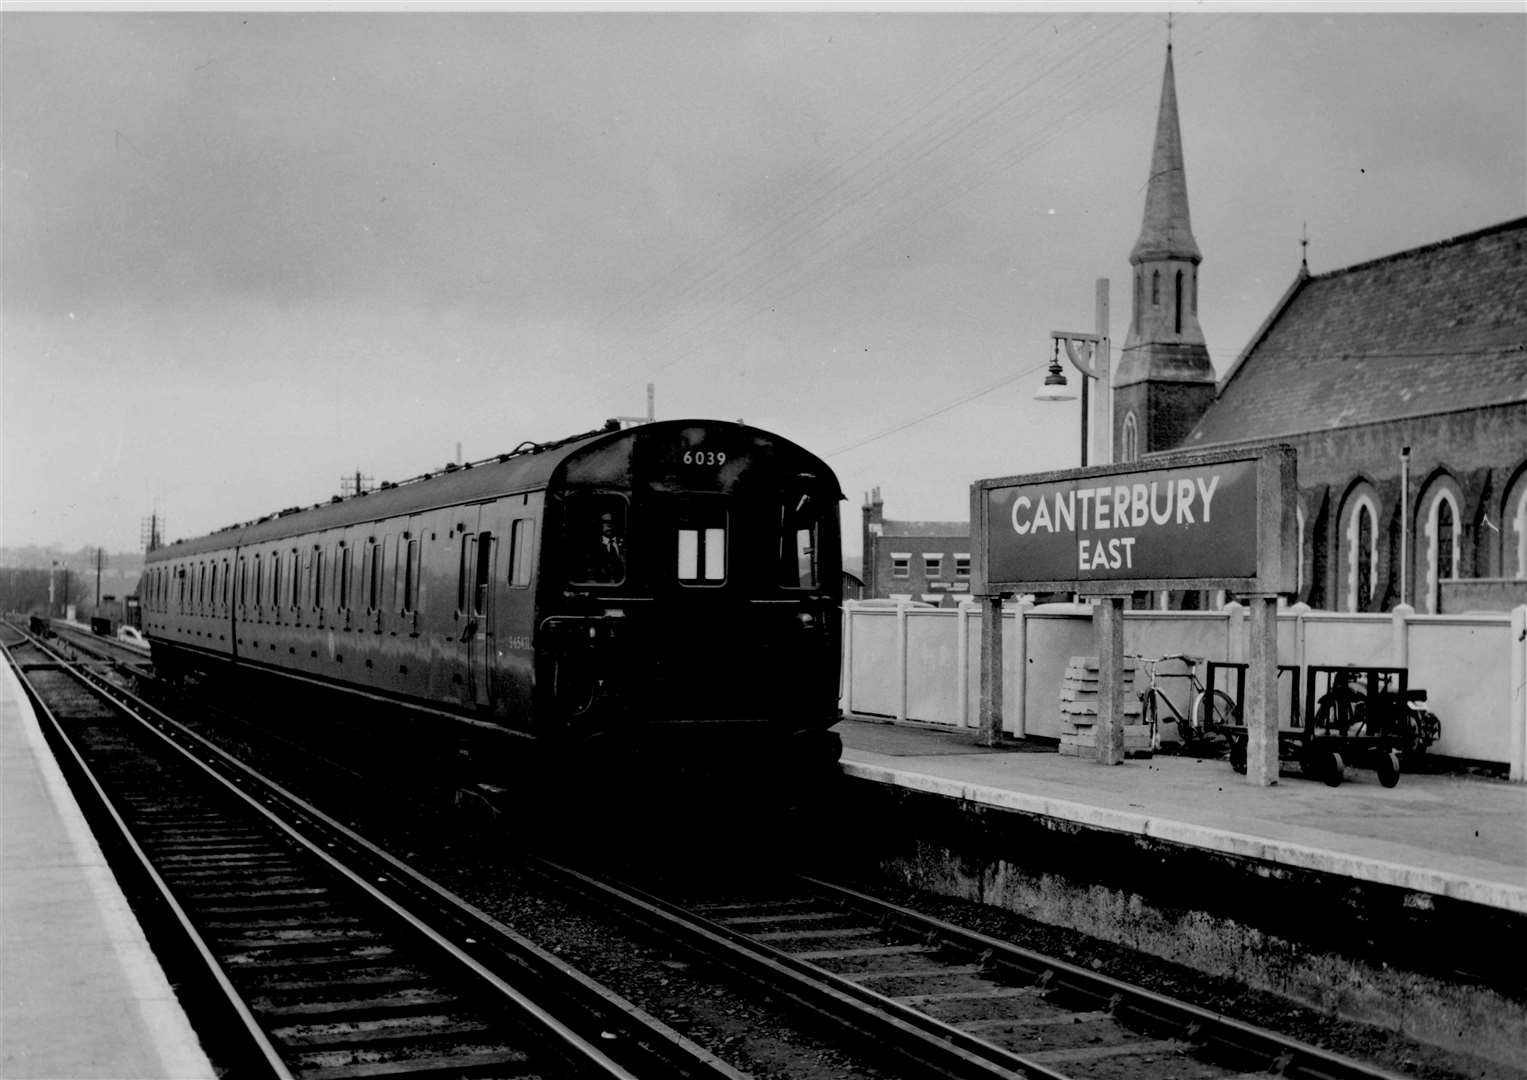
column 1177, row 305
column 1364, row 581
column 1130, row 443
column 1446, row 552
column 1155, row 286
column 1193, row 288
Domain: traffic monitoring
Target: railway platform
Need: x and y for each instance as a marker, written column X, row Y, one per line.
column 1462, row 837
column 81, row 994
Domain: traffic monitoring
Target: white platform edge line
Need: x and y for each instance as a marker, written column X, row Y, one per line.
column 175, row 1041
column 1284, row 853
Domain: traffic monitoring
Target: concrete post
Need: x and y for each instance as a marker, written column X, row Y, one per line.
column 901, row 659
column 1262, row 693
column 990, row 732
column 1400, row 616
column 962, row 661
column 1108, row 633
column 1517, row 706
column 846, row 677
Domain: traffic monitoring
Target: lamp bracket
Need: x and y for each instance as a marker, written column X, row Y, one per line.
column 1081, row 349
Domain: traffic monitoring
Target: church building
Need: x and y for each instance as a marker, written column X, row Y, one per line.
column 1400, row 382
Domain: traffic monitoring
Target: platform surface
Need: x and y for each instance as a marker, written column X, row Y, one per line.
column 81, row 994
column 1458, row 836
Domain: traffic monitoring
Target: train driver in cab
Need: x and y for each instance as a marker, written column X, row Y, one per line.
column 608, row 562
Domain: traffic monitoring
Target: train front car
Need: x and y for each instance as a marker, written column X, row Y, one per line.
column 689, row 597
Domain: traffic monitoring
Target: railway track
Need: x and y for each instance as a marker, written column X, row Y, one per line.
column 312, row 952
column 954, row 1002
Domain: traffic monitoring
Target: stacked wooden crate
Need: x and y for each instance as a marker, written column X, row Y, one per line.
column 1079, row 711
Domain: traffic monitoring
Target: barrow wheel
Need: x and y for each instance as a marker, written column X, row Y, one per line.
column 1334, row 769
column 1388, row 768
column 1211, row 712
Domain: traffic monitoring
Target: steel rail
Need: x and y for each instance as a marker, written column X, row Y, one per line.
column 249, row 1027
column 571, row 1041
column 1293, row 1059
column 940, row 1049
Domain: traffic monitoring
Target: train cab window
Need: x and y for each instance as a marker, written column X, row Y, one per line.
column 597, row 530
column 522, row 538
column 701, row 545
column 798, row 544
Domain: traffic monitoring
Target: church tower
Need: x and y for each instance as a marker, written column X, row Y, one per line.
column 1164, row 380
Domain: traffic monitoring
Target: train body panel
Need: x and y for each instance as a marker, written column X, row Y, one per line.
column 670, row 577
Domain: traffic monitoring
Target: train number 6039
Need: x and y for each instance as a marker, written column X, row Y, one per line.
column 704, row 457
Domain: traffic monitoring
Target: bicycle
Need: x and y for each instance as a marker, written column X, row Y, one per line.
column 1201, row 725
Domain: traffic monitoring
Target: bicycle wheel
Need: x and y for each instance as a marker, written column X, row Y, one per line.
column 1210, row 713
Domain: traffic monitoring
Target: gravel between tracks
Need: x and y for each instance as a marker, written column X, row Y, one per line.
column 480, row 864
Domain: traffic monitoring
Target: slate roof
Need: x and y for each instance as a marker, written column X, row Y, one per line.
column 1435, row 329
column 925, row 528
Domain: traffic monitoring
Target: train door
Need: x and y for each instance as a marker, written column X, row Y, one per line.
column 477, row 605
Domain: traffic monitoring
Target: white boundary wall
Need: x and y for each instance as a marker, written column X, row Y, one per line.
column 923, row 664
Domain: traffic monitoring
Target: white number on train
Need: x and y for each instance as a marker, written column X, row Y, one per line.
column 704, row 457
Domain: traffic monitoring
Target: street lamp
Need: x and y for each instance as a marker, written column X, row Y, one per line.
column 1089, row 354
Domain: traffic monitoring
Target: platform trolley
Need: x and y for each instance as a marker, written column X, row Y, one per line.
column 1351, row 715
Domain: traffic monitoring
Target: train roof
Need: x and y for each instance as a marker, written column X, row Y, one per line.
column 527, row 468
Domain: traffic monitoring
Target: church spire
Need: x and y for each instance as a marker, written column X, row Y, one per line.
column 1167, row 232
column 1165, row 379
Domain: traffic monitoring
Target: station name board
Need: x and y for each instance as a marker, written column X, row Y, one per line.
column 1205, row 521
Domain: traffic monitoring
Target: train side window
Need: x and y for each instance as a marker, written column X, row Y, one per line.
column 484, row 576
column 344, row 576
column 243, row 592
column 522, row 537
column 227, row 583
column 374, row 577
column 259, row 584
column 275, row 579
column 596, row 530
column 296, row 579
column 317, row 579
column 410, row 576
column 212, row 587
column 467, row 540
column 798, row 544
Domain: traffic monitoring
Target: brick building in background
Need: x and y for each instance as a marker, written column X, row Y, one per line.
column 927, row 561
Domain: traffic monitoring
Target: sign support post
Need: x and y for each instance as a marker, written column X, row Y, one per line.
column 1108, row 633
column 990, row 731
column 1261, row 707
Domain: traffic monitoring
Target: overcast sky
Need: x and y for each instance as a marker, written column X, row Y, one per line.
column 246, row 253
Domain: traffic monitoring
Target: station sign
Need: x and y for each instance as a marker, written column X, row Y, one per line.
column 1221, row 520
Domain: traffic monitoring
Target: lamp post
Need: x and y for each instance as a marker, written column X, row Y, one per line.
column 1089, row 354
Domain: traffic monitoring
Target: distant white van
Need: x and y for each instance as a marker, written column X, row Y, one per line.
column 131, row 635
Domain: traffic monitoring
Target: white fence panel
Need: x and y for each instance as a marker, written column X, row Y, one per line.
column 933, row 671
column 1463, row 664
column 917, row 664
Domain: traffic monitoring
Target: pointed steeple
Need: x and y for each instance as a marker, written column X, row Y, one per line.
column 1164, row 380
column 1167, row 232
